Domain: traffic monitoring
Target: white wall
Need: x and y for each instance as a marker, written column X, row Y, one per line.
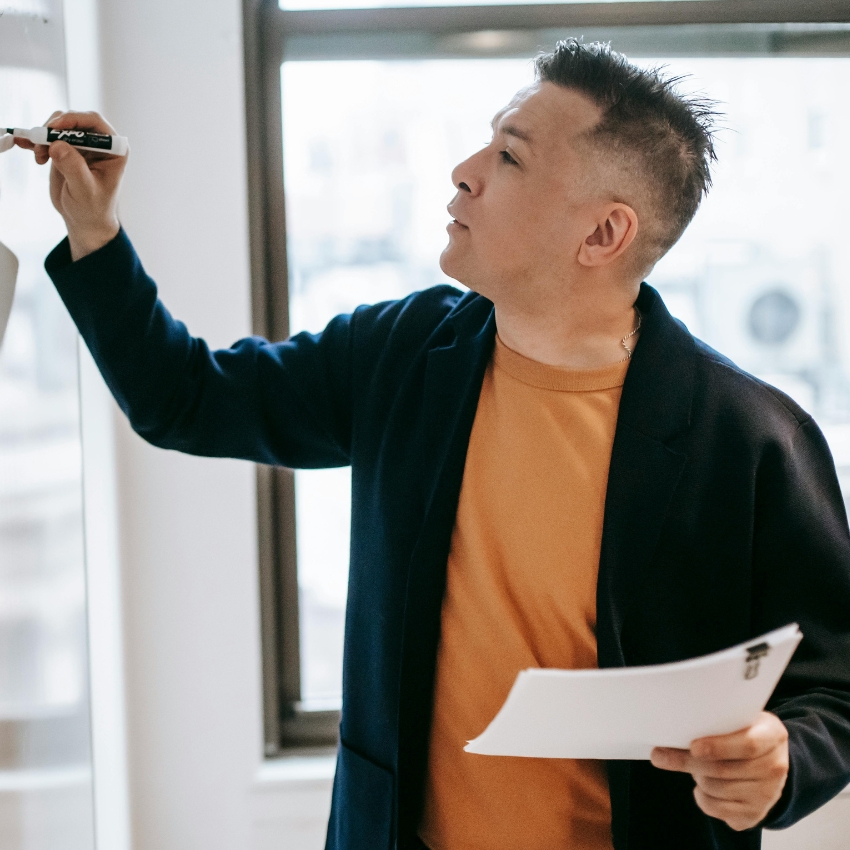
column 188, row 537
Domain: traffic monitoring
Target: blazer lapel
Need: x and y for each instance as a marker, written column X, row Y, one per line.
column 643, row 475
column 453, row 379
column 654, row 408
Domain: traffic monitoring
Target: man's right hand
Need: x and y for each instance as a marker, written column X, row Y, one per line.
column 83, row 184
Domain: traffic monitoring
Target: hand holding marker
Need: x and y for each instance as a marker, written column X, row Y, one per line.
column 88, row 161
column 80, row 139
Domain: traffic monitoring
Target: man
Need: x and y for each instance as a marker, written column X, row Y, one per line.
column 548, row 470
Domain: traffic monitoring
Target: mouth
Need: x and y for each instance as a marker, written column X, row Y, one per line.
column 454, row 222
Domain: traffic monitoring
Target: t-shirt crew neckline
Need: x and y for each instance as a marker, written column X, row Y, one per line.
column 556, row 378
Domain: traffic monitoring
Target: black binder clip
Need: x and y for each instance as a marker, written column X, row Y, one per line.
column 754, row 656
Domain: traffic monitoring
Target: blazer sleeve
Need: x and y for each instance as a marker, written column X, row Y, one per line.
column 287, row 403
column 802, row 574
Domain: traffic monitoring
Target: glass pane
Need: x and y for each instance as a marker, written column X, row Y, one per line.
column 45, row 764
column 322, row 519
column 395, row 4
column 369, row 147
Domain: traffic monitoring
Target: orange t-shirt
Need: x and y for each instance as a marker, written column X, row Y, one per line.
column 521, row 592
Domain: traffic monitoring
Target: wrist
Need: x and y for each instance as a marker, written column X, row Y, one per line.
column 87, row 242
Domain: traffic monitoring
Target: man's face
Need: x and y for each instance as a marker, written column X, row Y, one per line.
column 525, row 202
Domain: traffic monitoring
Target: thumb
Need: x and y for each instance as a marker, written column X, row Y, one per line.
column 71, row 164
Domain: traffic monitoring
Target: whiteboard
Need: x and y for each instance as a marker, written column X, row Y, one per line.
column 46, row 797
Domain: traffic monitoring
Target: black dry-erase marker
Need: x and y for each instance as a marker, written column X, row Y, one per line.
column 99, row 142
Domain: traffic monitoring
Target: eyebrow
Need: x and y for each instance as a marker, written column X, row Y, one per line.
column 511, row 130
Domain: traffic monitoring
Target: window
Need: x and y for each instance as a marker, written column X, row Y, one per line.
column 45, row 760
column 366, row 111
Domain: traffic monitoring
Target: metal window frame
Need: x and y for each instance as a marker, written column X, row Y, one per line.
column 266, row 28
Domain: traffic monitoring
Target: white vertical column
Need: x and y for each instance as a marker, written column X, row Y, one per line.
column 188, row 539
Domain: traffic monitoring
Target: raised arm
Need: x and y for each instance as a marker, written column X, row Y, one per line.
column 287, row 403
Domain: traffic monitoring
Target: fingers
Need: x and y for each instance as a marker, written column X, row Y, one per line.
column 667, row 758
column 92, row 122
column 738, row 815
column 732, row 790
column 749, row 745
column 72, row 165
column 739, row 792
column 771, row 766
column 41, row 151
column 681, row 761
column 738, row 777
column 767, row 733
column 89, row 121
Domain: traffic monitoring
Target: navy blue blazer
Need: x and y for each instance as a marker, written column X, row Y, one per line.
column 723, row 520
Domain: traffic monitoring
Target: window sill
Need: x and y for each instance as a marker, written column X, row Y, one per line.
column 316, row 765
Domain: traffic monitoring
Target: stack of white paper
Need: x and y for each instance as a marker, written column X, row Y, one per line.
column 623, row 713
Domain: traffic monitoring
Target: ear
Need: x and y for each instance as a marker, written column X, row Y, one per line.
column 616, row 229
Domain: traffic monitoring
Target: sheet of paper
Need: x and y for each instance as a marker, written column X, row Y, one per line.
column 7, row 142
column 623, row 713
column 8, row 276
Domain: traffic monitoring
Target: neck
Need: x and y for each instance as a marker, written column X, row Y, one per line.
column 582, row 329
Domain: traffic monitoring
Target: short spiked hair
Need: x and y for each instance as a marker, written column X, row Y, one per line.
column 666, row 137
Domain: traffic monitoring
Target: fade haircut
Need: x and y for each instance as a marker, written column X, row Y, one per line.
column 647, row 127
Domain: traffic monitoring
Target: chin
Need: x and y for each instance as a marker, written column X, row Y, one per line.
column 451, row 266
column 466, row 274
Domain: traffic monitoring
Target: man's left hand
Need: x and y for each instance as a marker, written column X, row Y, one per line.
column 739, row 777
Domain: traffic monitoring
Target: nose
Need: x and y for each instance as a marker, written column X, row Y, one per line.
column 466, row 176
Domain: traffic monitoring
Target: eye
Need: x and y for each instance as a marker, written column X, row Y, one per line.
column 506, row 157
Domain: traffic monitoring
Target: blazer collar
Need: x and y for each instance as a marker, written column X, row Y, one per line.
column 659, row 385
column 472, row 316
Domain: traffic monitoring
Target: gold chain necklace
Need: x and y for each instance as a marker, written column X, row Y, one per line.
column 630, row 351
